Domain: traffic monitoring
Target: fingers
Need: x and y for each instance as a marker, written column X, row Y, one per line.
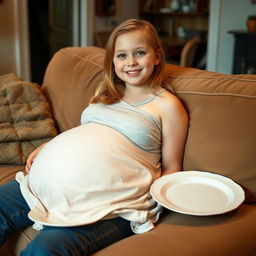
column 28, row 166
column 30, row 161
column 32, row 157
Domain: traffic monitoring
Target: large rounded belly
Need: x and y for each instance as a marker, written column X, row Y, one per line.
column 78, row 157
column 89, row 166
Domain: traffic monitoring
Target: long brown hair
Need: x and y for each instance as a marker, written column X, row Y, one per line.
column 111, row 89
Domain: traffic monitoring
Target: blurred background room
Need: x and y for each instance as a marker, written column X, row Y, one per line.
column 205, row 34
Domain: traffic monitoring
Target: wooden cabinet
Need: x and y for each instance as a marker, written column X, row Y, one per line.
column 244, row 52
column 167, row 21
column 176, row 27
column 193, row 7
column 105, row 7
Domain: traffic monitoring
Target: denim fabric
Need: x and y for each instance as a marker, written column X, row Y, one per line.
column 53, row 241
column 13, row 210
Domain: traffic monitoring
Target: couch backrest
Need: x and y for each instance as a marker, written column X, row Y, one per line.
column 222, row 131
column 222, row 110
column 69, row 82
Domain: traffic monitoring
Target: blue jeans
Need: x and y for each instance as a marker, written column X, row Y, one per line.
column 64, row 241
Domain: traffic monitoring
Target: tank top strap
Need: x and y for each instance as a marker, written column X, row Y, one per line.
column 148, row 99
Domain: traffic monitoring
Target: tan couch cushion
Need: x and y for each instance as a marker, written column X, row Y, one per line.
column 177, row 234
column 69, row 69
column 8, row 172
column 222, row 111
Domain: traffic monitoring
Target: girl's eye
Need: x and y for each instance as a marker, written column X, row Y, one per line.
column 140, row 53
column 121, row 56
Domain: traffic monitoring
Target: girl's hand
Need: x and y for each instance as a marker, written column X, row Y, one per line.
column 32, row 157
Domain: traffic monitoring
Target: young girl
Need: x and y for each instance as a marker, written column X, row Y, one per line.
column 89, row 186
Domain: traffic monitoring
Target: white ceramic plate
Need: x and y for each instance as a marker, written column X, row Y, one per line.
column 197, row 193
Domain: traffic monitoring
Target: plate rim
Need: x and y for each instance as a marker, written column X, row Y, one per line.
column 235, row 187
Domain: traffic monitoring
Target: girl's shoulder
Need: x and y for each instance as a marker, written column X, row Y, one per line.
column 167, row 100
column 171, row 109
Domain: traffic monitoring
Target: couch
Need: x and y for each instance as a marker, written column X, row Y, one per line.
column 221, row 139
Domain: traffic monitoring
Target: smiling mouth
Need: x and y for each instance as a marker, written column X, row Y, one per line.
column 133, row 72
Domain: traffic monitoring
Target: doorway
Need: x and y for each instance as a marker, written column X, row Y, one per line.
column 38, row 12
column 53, row 24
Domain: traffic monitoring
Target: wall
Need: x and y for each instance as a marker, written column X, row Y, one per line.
column 14, row 44
column 7, row 38
column 225, row 15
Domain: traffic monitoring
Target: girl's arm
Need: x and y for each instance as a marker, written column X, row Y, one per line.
column 174, row 132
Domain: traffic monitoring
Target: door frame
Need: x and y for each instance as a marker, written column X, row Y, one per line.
column 22, row 45
column 213, row 41
column 87, row 22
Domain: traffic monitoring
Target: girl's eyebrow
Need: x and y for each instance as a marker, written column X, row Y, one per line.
column 119, row 50
column 137, row 48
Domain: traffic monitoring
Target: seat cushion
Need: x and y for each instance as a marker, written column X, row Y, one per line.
column 183, row 235
column 8, row 172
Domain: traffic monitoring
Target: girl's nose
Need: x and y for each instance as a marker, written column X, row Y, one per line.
column 132, row 62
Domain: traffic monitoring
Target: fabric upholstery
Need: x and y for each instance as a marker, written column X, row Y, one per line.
column 222, row 123
column 8, row 172
column 230, row 234
column 79, row 72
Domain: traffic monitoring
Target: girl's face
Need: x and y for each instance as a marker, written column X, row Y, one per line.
column 134, row 59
